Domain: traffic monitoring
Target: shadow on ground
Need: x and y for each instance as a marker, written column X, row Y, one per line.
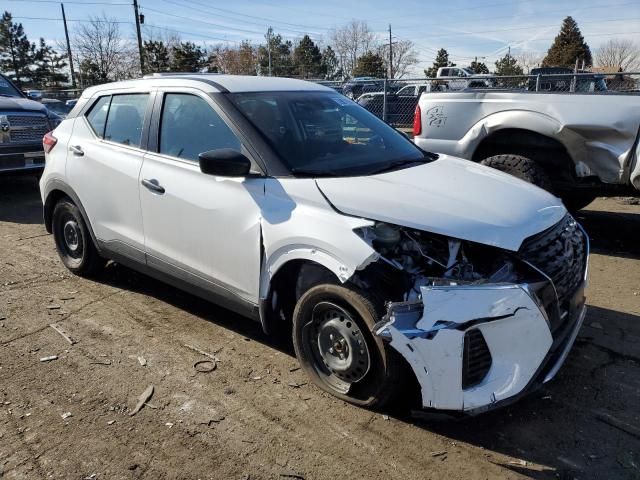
column 20, row 200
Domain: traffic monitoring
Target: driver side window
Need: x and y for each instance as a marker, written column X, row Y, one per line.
column 190, row 126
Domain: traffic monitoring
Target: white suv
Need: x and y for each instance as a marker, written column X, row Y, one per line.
column 288, row 203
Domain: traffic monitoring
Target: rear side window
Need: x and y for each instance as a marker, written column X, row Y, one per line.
column 125, row 119
column 190, row 126
column 97, row 116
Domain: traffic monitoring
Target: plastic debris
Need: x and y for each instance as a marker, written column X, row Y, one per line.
column 49, row 358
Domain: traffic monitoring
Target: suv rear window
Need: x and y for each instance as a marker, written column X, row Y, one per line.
column 97, row 116
column 125, row 118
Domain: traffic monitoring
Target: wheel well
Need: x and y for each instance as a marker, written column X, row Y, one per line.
column 544, row 150
column 289, row 283
column 49, row 204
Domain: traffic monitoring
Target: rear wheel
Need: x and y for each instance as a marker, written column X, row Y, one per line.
column 334, row 343
column 73, row 241
column 522, row 167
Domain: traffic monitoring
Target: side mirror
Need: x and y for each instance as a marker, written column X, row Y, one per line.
column 224, row 162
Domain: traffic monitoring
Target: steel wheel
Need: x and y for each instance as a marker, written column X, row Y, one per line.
column 336, row 344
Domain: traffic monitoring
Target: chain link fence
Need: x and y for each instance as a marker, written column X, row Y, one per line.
column 395, row 101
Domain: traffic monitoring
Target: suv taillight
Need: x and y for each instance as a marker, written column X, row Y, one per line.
column 417, row 121
column 48, row 142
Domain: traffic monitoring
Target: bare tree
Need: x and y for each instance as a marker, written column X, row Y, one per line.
column 528, row 60
column 404, row 57
column 241, row 60
column 619, row 54
column 104, row 52
column 351, row 41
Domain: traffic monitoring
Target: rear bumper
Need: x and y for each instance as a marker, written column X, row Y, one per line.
column 516, row 333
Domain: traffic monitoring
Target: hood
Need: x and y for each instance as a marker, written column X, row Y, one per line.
column 452, row 197
column 21, row 104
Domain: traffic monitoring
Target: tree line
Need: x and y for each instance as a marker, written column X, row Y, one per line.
column 102, row 53
column 569, row 49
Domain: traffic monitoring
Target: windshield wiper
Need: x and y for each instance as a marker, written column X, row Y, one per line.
column 399, row 163
column 315, row 172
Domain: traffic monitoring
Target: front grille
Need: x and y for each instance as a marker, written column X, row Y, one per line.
column 476, row 359
column 27, row 128
column 560, row 253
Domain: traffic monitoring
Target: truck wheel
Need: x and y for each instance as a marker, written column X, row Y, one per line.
column 73, row 241
column 335, row 346
column 521, row 167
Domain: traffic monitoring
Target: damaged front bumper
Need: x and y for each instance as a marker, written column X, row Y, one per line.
column 476, row 347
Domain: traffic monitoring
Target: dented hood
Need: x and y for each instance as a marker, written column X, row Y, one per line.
column 452, row 197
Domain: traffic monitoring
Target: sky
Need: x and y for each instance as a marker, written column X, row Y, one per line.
column 466, row 28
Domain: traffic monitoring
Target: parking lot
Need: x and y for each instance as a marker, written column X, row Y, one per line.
column 255, row 416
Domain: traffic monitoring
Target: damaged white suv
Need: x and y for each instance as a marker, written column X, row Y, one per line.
column 286, row 202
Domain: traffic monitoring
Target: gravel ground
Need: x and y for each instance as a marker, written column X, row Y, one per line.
column 256, row 416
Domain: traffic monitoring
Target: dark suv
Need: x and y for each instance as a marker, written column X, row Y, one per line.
column 23, row 123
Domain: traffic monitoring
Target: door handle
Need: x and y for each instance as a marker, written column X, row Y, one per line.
column 153, row 185
column 77, row 150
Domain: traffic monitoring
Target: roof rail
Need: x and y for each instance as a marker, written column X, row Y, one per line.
column 176, row 74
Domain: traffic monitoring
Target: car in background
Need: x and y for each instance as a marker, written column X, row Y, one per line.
column 360, row 85
column 56, row 106
column 23, row 123
column 460, row 78
column 561, row 79
column 400, row 105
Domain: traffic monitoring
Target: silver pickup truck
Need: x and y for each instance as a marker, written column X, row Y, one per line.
column 577, row 146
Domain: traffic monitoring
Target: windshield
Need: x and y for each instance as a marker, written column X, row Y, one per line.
column 7, row 89
column 326, row 134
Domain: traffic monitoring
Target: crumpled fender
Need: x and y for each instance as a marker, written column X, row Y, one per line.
column 308, row 229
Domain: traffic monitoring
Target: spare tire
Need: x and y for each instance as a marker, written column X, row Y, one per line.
column 522, row 167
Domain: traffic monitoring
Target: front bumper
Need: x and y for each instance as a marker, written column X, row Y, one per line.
column 16, row 159
column 525, row 350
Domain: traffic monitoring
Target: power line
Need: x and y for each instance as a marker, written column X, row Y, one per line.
column 268, row 20
column 262, row 24
column 72, row 2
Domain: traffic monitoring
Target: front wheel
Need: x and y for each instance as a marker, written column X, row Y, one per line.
column 334, row 344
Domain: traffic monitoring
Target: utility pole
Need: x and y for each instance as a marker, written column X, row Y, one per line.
column 269, row 48
column 66, row 34
column 390, row 54
column 135, row 10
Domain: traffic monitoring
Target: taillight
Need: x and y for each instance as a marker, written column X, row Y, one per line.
column 417, row 121
column 48, row 142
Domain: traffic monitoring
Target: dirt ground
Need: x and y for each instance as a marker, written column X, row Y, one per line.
column 256, row 416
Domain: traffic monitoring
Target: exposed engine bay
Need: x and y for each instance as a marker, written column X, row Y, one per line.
column 434, row 260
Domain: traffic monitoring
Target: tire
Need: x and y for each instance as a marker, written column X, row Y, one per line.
column 522, row 168
column 73, row 240
column 334, row 343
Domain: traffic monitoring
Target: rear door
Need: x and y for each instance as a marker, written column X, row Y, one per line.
column 104, row 161
column 200, row 228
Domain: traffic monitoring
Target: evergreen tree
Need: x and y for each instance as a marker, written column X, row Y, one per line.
column 48, row 64
column 508, row 65
column 479, row 67
column 369, row 65
column 156, row 56
column 281, row 59
column 307, row 59
column 90, row 73
column 442, row 60
column 16, row 52
column 187, row 57
column 568, row 47
column 330, row 64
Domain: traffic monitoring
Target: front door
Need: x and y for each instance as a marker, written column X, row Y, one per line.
column 103, row 164
column 202, row 228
